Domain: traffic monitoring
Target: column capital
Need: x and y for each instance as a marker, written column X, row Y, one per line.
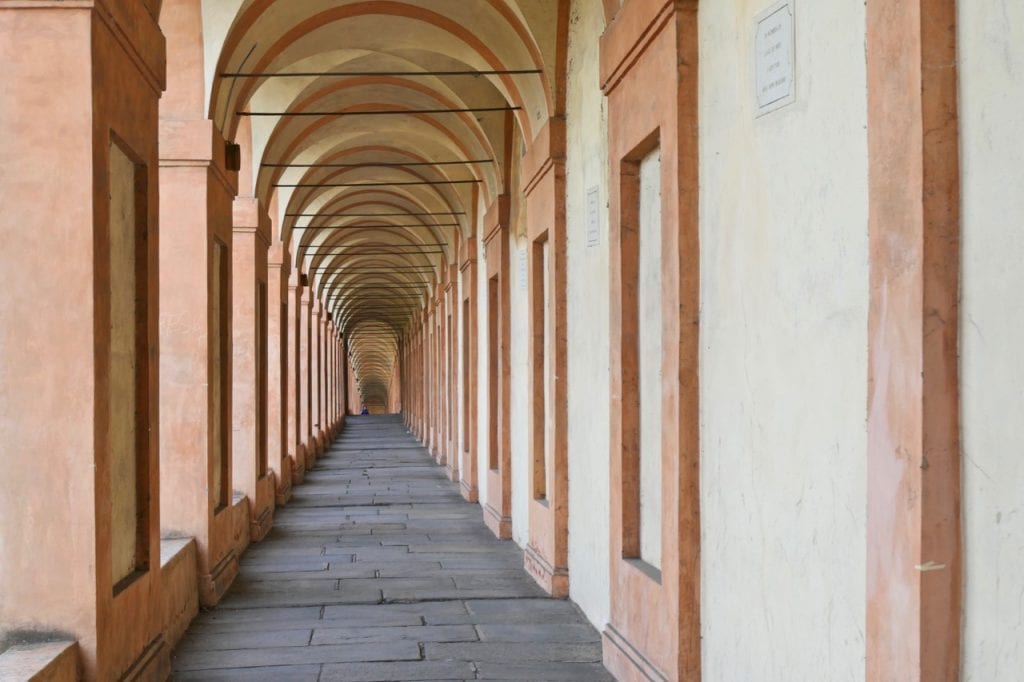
column 196, row 143
column 496, row 218
column 278, row 255
column 544, row 154
column 249, row 217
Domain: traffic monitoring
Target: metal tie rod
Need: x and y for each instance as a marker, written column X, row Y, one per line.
column 380, row 112
column 379, row 164
column 381, row 184
column 356, row 74
column 384, row 226
column 368, row 246
column 372, row 215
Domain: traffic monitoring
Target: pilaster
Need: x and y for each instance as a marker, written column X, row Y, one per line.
column 250, row 465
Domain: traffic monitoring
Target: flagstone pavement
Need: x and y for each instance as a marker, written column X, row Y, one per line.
column 377, row 569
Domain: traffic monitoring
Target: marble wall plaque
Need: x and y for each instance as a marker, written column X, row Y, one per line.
column 593, row 216
column 774, row 68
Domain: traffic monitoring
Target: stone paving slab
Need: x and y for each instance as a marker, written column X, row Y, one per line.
column 399, row 672
column 377, row 570
column 411, row 633
column 277, row 673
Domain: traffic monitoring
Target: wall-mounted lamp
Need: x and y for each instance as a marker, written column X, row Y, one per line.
column 232, row 156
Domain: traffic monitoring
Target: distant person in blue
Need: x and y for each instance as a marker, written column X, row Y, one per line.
column 365, row 410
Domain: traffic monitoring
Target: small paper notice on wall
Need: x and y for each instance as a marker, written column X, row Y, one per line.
column 593, row 216
column 522, row 268
column 774, row 48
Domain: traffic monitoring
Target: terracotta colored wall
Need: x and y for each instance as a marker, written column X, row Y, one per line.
column 59, row 558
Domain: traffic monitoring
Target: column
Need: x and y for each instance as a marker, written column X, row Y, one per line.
column 316, row 377
column 468, row 471
column 498, row 508
column 79, row 495
column 543, row 181
column 451, row 374
column 278, row 458
column 250, row 465
column 196, row 193
column 914, row 543
column 328, row 377
column 650, row 54
column 331, row 368
column 306, row 377
column 295, row 442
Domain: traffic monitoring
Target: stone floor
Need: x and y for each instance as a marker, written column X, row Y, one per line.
column 378, row 570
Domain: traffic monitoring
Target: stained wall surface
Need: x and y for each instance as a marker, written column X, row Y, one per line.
column 784, row 294
column 587, row 309
column 991, row 33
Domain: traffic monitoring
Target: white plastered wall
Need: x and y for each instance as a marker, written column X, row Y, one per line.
column 783, row 367
column 587, row 296
column 991, row 36
column 519, row 399
column 483, row 424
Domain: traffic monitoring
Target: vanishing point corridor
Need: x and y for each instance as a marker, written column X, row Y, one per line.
column 635, row 340
column 379, row 570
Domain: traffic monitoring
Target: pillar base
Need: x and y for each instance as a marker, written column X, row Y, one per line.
column 624, row 661
column 152, row 665
column 554, row 581
column 213, row 585
column 283, row 483
column 452, row 470
column 500, row 525
column 259, row 527
column 469, row 491
column 262, row 508
column 298, row 462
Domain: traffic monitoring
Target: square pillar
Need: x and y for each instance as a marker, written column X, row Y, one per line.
column 316, row 375
column 295, row 441
column 498, row 506
column 914, row 518
column 343, row 390
column 306, row 378
column 543, row 181
column 195, row 339
column 649, row 54
column 451, row 375
column 468, row 469
column 280, row 462
column 250, row 460
column 324, row 376
column 339, row 383
column 437, row 433
column 79, row 408
column 329, row 377
column 328, row 424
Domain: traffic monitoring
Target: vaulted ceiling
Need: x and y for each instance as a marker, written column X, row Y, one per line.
column 379, row 130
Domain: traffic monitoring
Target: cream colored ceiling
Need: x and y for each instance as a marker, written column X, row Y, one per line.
column 375, row 273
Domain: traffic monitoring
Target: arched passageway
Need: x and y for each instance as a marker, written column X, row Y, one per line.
column 705, row 310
